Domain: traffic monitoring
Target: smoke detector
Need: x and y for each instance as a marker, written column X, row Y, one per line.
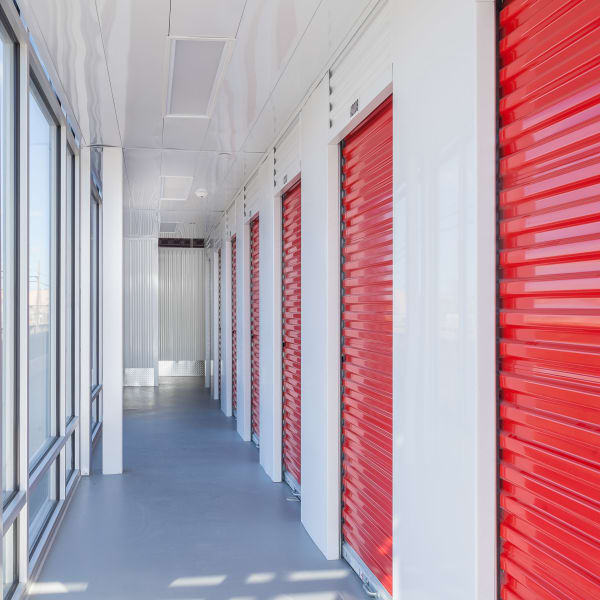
column 201, row 193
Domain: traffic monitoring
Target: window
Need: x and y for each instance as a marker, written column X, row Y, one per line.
column 43, row 497
column 70, row 285
column 8, row 266
column 95, row 309
column 9, row 555
column 42, row 302
column 38, row 310
column 95, row 412
column 95, row 289
column 70, row 458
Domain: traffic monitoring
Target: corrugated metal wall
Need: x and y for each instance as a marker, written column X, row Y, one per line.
column 181, row 304
column 140, row 334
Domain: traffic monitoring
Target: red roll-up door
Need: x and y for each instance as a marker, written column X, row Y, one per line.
column 254, row 332
column 233, row 327
column 219, row 316
column 549, row 300
column 367, row 346
column 291, row 313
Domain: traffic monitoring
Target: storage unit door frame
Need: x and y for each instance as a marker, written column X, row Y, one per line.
column 549, row 300
column 219, row 320
column 233, row 326
column 291, row 335
column 254, row 330
column 366, row 348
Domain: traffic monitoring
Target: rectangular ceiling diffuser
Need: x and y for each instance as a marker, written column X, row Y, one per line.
column 196, row 65
column 168, row 227
column 175, row 187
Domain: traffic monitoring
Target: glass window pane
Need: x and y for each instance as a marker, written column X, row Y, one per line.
column 70, row 457
column 42, row 280
column 8, row 279
column 70, row 285
column 95, row 412
column 94, row 300
column 42, row 500
column 9, row 550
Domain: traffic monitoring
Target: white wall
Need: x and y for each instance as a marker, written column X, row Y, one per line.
column 243, row 320
column 226, row 380
column 215, row 324
column 207, row 318
column 444, row 300
column 320, row 327
column 181, row 302
column 442, row 56
column 270, row 331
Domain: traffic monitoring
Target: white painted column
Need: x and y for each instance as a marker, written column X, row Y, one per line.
column 207, row 347
column 215, row 323
column 320, row 326
column 84, row 313
column 243, row 324
column 226, row 404
column 112, row 310
column 444, row 300
column 270, row 325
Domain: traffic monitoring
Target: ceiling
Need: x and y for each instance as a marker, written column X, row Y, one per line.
column 195, row 91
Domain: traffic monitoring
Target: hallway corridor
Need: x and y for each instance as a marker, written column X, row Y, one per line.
column 193, row 516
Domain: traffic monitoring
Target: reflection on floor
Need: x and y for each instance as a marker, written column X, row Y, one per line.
column 193, row 517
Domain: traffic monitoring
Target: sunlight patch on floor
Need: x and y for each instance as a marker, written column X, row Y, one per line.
column 260, row 578
column 206, row 581
column 41, row 588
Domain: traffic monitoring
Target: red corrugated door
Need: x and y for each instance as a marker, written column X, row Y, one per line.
column 549, row 300
column 219, row 316
column 290, row 329
column 254, row 331
column 367, row 345
column 233, row 327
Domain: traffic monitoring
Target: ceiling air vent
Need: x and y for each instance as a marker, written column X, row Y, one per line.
column 195, row 73
column 175, row 187
column 168, row 227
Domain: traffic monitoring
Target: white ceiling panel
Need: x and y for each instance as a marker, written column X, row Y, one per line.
column 178, row 162
column 134, row 33
column 322, row 40
column 267, row 38
column 113, row 59
column 206, row 18
column 184, row 133
column 142, row 168
column 69, row 29
column 166, row 227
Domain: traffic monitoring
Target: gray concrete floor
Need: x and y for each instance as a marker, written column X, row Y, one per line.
column 193, row 517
